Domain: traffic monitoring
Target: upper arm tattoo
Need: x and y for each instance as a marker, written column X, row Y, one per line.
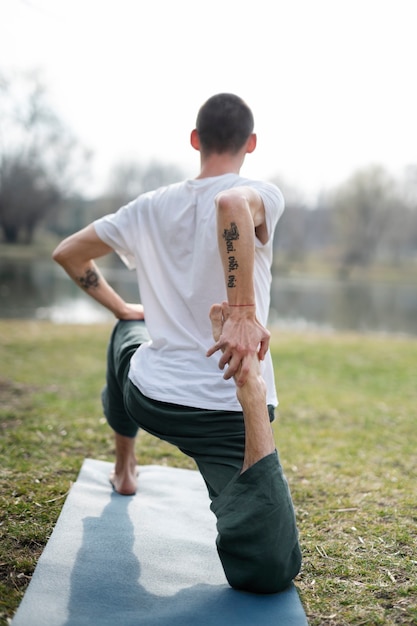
column 90, row 279
column 230, row 235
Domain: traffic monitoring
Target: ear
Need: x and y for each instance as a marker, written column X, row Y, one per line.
column 195, row 139
column 251, row 143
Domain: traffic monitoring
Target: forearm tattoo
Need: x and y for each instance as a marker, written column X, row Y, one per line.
column 90, row 279
column 230, row 235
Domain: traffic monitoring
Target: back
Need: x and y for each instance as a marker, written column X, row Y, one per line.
column 170, row 236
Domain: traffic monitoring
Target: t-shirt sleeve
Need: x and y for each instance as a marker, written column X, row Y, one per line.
column 273, row 202
column 274, row 205
column 116, row 230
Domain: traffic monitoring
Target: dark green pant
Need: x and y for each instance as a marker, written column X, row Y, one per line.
column 257, row 536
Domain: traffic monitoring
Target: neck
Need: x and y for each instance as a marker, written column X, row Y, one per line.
column 218, row 164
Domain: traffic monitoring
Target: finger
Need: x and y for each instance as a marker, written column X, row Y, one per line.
column 228, row 374
column 214, row 348
column 225, row 359
column 263, row 349
column 234, row 364
column 243, row 373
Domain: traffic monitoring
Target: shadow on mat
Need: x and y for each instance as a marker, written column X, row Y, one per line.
column 105, row 588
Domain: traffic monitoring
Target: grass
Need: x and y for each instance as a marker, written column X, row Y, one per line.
column 346, row 432
column 347, row 438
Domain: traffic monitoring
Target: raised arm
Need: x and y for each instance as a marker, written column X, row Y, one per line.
column 76, row 255
column 240, row 218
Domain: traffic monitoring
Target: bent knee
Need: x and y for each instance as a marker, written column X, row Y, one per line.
column 266, row 576
column 257, row 582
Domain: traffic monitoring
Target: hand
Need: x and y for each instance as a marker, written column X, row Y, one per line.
column 240, row 337
column 131, row 311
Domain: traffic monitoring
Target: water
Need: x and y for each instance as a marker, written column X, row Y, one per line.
column 362, row 306
column 41, row 290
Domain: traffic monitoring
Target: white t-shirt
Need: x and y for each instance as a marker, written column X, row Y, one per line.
column 170, row 236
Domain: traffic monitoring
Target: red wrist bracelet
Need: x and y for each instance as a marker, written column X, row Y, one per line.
column 242, row 304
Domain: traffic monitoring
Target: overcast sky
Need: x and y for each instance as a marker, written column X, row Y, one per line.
column 332, row 83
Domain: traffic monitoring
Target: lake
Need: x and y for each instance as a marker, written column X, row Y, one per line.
column 41, row 290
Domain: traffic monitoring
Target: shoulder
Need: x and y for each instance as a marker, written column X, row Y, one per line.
column 273, row 206
column 267, row 190
column 272, row 197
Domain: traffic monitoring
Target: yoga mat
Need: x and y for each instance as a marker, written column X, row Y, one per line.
column 148, row 559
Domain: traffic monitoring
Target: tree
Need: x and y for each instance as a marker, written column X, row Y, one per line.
column 364, row 209
column 404, row 235
column 39, row 157
column 291, row 239
column 130, row 178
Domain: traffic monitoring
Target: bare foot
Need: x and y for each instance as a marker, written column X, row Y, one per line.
column 217, row 320
column 124, row 481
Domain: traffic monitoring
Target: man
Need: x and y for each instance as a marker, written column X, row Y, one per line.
column 195, row 244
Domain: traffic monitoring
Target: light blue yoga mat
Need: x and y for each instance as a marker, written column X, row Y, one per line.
column 147, row 560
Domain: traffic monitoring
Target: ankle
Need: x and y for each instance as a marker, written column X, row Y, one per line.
column 252, row 393
column 124, row 465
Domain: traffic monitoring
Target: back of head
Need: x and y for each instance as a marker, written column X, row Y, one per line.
column 224, row 123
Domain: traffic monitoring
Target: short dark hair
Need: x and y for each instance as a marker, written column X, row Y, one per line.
column 224, row 123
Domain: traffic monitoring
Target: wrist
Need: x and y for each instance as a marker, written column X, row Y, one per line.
column 242, row 312
column 121, row 311
column 246, row 305
column 247, row 308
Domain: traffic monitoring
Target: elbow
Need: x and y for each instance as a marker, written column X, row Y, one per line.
column 230, row 201
column 60, row 254
column 57, row 255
